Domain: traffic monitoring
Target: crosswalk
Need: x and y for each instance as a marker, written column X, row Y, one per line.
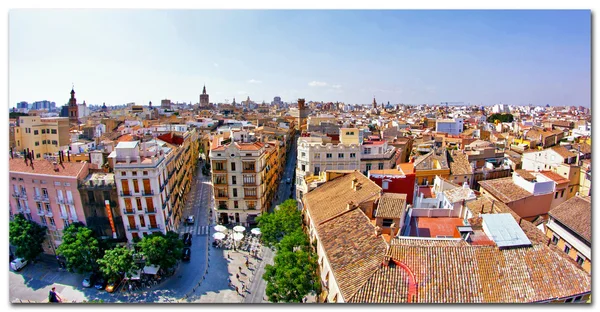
column 199, row 230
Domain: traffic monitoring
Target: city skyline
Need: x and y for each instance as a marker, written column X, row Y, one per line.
column 412, row 57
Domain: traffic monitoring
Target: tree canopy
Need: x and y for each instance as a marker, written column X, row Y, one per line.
column 501, row 118
column 80, row 248
column 285, row 220
column 294, row 273
column 116, row 262
column 27, row 236
column 162, row 250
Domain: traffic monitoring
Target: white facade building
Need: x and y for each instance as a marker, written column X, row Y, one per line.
column 451, row 126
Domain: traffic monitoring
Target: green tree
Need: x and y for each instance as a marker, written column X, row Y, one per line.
column 27, row 236
column 162, row 250
column 116, row 262
column 501, row 118
column 294, row 273
column 285, row 220
column 80, row 248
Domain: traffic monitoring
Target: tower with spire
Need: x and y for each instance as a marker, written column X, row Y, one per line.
column 73, row 109
column 204, row 97
column 374, row 102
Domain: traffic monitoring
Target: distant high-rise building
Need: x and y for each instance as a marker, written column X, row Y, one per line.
column 204, row 97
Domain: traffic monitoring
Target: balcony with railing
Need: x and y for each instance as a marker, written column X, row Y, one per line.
column 41, row 198
column 15, row 195
column 60, row 201
column 150, row 210
column 220, row 167
column 128, row 211
column 222, row 206
column 23, row 196
column 49, row 214
column 41, row 212
column 126, row 194
column 64, row 216
column 132, row 228
column 154, row 227
column 147, row 193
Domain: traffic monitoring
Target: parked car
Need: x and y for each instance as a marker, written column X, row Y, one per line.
column 113, row 285
column 190, row 220
column 89, row 280
column 187, row 239
column 186, row 254
column 100, row 283
column 18, row 264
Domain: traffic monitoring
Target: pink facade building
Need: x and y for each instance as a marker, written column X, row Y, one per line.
column 47, row 193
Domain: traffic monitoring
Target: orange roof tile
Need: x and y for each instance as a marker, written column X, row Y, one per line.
column 69, row 169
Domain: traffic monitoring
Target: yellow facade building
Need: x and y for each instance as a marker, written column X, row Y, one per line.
column 43, row 136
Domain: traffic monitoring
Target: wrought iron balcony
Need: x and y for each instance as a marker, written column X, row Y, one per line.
column 49, row 214
column 41, row 212
column 148, row 193
column 154, row 227
column 124, row 194
column 132, row 228
column 128, row 211
column 150, row 211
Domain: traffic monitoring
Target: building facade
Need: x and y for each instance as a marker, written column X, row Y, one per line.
column 43, row 136
column 46, row 193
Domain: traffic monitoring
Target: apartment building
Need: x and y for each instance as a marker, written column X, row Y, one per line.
column 569, row 227
column 46, row 193
column 451, row 126
column 43, row 136
column 239, row 174
column 317, row 154
column 548, row 159
column 99, row 198
column 141, row 177
column 377, row 154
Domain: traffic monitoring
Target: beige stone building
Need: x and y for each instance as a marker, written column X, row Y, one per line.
column 43, row 136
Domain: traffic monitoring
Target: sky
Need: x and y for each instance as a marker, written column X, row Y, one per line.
column 412, row 57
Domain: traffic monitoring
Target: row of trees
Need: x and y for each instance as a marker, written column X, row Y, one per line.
column 294, row 273
column 84, row 252
column 501, row 118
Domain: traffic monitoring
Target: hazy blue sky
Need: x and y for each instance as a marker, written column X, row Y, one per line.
column 120, row 56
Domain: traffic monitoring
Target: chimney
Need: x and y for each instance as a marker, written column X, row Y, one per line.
column 90, row 157
column 377, row 231
column 55, row 166
column 11, row 154
column 350, row 205
column 354, row 183
column 68, row 156
column 60, row 156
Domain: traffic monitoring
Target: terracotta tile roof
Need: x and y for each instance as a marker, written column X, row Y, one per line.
column 389, row 284
column 67, row 169
column 438, row 227
column 457, row 194
column 563, row 152
column 504, row 189
column 426, row 161
column 332, row 197
column 249, row 146
column 413, row 241
column 459, row 164
column 483, row 274
column 352, row 248
column 525, row 174
column 555, row 177
column 386, row 172
column 576, row 214
column 584, row 147
column 125, row 138
column 391, row 206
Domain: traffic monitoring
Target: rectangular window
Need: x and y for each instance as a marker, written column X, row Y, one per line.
column 136, row 187
column 235, row 204
column 328, row 155
column 232, row 166
column 385, row 185
column 134, row 173
column 44, row 222
column 380, row 166
column 36, row 132
column 43, row 131
column 352, row 155
column 145, row 173
column 303, row 167
column 369, row 167
column 303, row 154
column 556, row 195
column 340, row 155
column 123, row 173
column 562, row 193
column 128, row 204
column 235, row 194
column 149, row 204
column 51, row 221
column 580, row 260
column 554, row 239
column 251, row 204
column 387, row 222
column 53, row 131
column 233, row 180
column 138, row 203
column 317, row 155
column 55, row 143
column 567, row 248
column 367, row 151
column 317, row 170
column 37, row 143
column 142, row 221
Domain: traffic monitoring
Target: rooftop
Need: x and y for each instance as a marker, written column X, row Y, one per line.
column 504, row 230
column 504, row 189
column 436, row 227
column 391, row 206
column 576, row 214
column 66, row 169
column 459, row 164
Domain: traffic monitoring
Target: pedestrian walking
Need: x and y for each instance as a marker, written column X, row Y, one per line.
column 237, row 276
column 53, row 297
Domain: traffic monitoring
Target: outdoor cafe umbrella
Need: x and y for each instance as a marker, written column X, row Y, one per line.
column 238, row 236
column 239, row 228
column 220, row 228
column 218, row 236
column 255, row 231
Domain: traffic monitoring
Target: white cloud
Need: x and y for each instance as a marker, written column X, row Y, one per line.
column 254, row 81
column 315, row 83
column 242, row 92
column 215, row 65
column 336, row 86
